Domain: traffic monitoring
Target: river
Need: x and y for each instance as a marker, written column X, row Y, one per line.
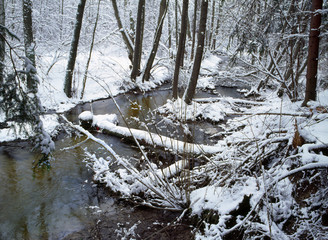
column 63, row 202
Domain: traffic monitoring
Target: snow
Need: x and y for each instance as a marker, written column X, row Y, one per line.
column 182, row 111
column 109, row 76
column 316, row 132
column 108, row 122
column 86, row 116
column 50, row 123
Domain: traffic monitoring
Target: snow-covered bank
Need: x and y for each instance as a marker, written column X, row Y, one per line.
column 254, row 186
column 108, row 75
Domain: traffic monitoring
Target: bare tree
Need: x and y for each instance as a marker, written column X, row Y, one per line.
column 194, row 23
column 29, row 43
column 73, row 51
column 191, row 88
column 2, row 39
column 181, row 47
column 126, row 38
column 90, row 51
column 158, row 34
column 138, row 42
column 312, row 65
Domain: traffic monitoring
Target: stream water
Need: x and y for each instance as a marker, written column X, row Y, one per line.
column 64, row 202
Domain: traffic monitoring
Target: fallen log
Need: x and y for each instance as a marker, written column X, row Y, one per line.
column 103, row 122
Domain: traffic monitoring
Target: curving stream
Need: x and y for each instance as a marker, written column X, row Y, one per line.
column 63, row 202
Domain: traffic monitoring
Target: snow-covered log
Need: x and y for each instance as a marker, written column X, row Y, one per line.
column 174, row 145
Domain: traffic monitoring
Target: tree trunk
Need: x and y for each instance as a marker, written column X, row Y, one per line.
column 90, row 52
column 29, row 43
column 73, row 51
column 176, row 21
column 138, row 42
column 190, row 91
column 313, row 54
column 161, row 17
column 169, row 30
column 2, row 40
column 212, row 30
column 181, row 47
column 127, row 41
column 194, row 23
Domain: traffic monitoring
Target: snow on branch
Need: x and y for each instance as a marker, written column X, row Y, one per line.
column 154, row 139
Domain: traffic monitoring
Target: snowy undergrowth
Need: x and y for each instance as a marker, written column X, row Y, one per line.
column 260, row 184
column 268, row 179
column 179, row 110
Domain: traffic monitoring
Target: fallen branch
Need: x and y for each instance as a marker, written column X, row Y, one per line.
column 227, row 99
column 271, row 113
column 164, row 197
column 155, row 139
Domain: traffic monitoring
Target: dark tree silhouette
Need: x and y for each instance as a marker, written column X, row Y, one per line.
column 73, row 51
column 312, row 66
column 29, row 43
column 181, row 48
column 190, row 91
column 138, row 41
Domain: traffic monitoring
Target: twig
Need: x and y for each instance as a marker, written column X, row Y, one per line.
column 271, row 113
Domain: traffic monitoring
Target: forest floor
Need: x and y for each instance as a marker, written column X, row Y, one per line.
column 268, row 178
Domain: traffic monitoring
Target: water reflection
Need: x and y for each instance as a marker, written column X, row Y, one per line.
column 42, row 204
column 52, row 204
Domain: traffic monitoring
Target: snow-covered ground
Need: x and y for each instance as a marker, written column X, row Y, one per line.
column 253, row 163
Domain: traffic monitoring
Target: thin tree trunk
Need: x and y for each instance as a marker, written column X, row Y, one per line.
column 161, row 17
column 176, row 21
column 211, row 26
column 313, row 54
column 194, row 23
column 138, row 42
column 127, row 41
column 190, row 91
column 90, row 52
column 181, row 47
column 29, row 43
column 2, row 39
column 169, row 26
column 73, row 51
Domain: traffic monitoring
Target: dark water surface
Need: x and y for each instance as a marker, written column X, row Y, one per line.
column 63, row 201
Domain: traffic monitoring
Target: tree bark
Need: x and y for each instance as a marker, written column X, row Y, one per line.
column 190, row 91
column 212, row 30
column 138, row 42
column 73, row 51
column 2, row 40
column 181, row 47
column 161, row 17
column 127, row 41
column 194, row 23
column 29, row 43
column 313, row 54
column 90, row 52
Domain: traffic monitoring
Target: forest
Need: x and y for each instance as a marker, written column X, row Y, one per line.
column 159, row 119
